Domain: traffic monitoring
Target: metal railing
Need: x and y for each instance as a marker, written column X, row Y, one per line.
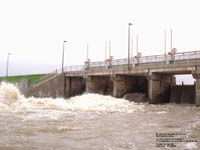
column 74, row 68
column 136, row 60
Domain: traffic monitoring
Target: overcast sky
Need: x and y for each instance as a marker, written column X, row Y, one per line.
column 33, row 31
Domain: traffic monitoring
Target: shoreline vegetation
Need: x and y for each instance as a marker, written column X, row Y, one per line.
column 33, row 78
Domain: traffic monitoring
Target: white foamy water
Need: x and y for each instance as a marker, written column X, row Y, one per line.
column 10, row 97
column 90, row 121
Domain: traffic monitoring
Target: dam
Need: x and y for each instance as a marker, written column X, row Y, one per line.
column 152, row 75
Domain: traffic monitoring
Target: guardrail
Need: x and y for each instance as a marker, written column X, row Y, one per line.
column 135, row 60
column 74, row 68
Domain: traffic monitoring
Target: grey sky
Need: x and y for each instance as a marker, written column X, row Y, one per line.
column 34, row 30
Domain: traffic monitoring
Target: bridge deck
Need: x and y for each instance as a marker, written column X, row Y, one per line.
column 173, row 67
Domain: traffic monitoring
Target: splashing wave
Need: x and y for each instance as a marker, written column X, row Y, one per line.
column 10, row 97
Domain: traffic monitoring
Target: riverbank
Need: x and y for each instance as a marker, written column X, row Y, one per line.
column 19, row 78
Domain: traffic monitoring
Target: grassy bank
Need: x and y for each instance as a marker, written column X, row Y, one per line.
column 19, row 78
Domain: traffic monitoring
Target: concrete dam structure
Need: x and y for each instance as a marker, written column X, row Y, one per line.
column 152, row 75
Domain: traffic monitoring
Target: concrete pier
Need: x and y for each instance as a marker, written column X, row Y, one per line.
column 159, row 88
column 197, row 92
column 99, row 84
column 196, row 75
column 74, row 86
column 124, row 84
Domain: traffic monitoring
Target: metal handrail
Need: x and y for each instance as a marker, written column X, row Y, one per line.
column 136, row 60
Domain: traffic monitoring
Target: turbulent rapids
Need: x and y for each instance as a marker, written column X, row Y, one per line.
column 91, row 122
column 10, row 98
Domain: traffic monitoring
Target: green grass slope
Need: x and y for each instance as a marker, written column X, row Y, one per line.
column 14, row 79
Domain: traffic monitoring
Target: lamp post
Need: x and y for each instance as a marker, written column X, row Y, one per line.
column 63, row 54
column 87, row 62
column 137, row 40
column 171, row 40
column 129, row 26
column 87, row 52
column 165, row 41
column 7, row 64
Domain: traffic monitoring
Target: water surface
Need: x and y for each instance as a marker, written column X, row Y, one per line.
column 91, row 122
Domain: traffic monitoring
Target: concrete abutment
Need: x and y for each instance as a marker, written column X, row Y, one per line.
column 51, row 87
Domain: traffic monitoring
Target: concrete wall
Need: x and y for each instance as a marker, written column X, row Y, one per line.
column 124, row 84
column 159, row 88
column 182, row 94
column 196, row 75
column 99, row 84
column 74, row 86
column 52, row 87
column 197, row 92
column 58, row 86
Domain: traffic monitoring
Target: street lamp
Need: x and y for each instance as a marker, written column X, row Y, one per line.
column 129, row 26
column 63, row 56
column 7, row 64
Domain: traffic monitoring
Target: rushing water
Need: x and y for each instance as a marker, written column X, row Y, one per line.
column 91, row 122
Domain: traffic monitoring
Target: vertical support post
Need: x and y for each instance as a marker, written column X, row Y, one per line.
column 129, row 26
column 137, row 45
column 87, row 52
column 87, row 62
column 171, row 40
column 137, row 49
column 196, row 75
column 7, row 65
column 106, row 54
column 63, row 56
column 105, row 51
column 165, row 47
column 109, row 49
column 172, row 53
column 132, row 46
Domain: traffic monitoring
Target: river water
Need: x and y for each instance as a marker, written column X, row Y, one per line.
column 93, row 122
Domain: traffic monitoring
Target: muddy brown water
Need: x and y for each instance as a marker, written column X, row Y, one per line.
column 93, row 122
